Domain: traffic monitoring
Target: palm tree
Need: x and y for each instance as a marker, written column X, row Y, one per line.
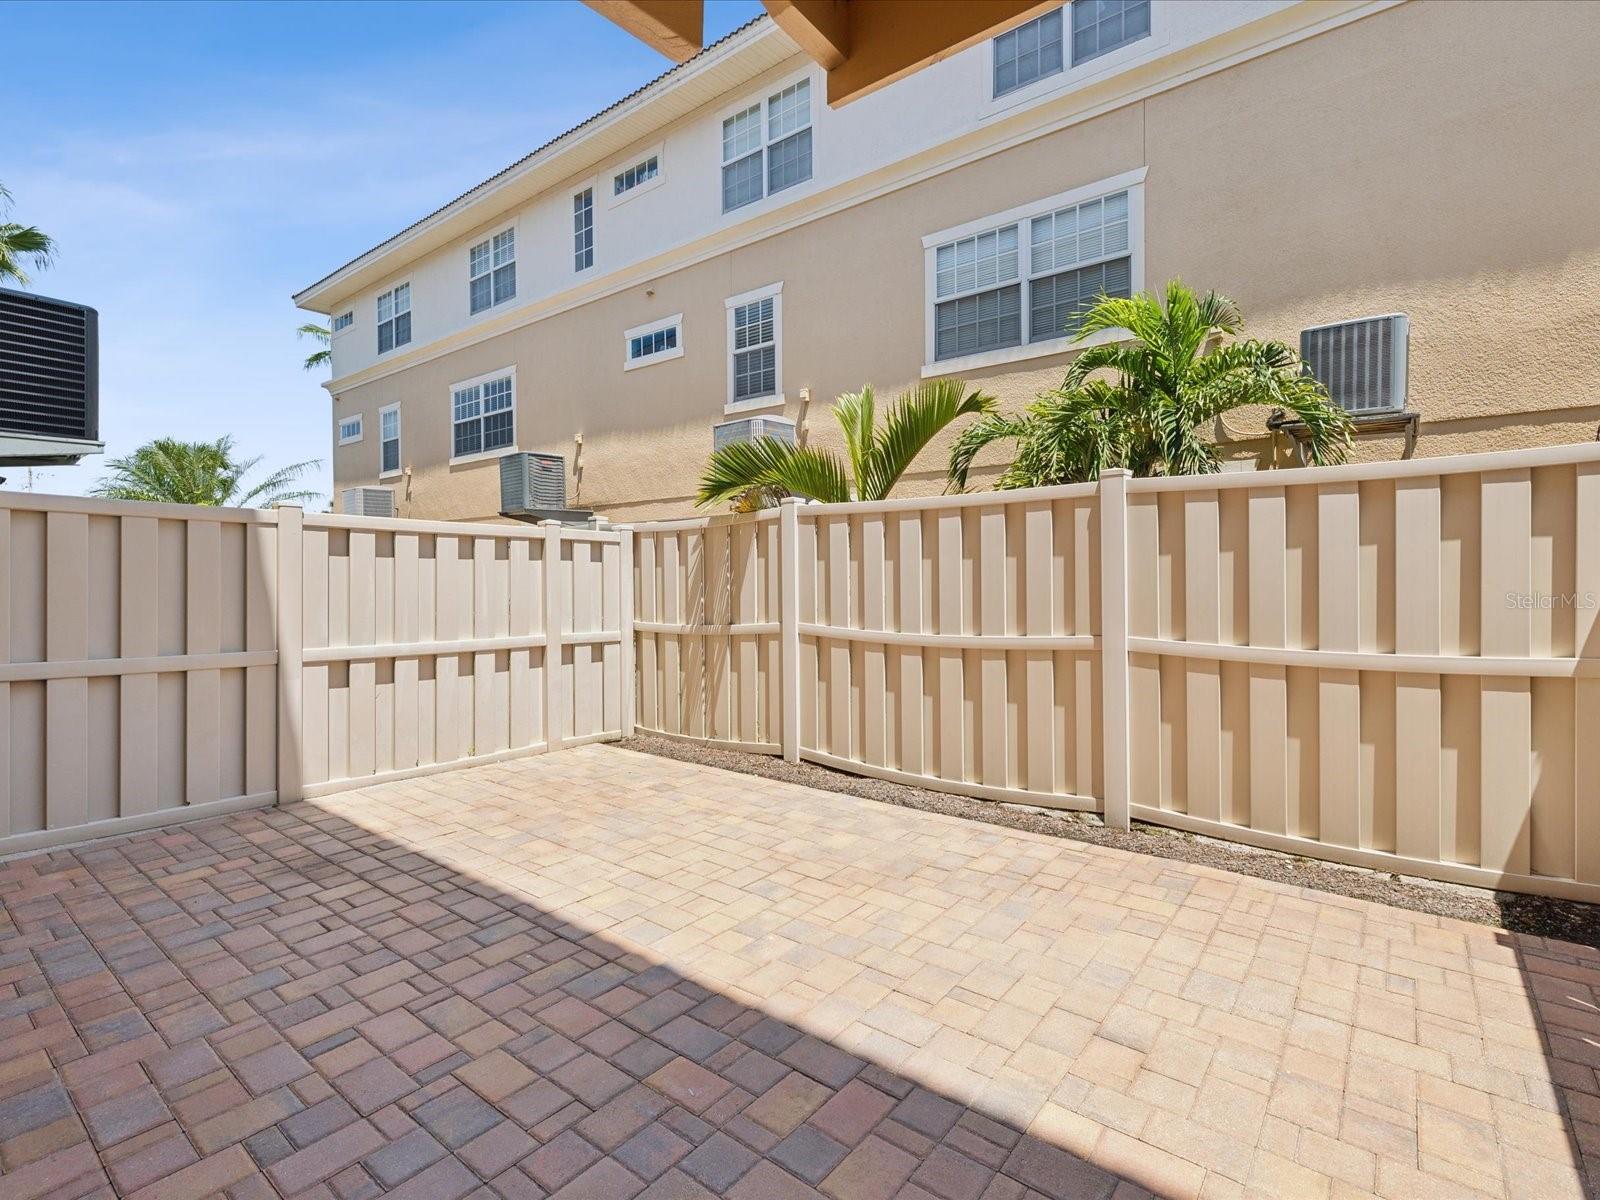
column 173, row 472
column 1174, row 377
column 759, row 473
column 19, row 243
column 322, row 334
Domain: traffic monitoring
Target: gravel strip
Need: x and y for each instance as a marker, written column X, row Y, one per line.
column 1539, row 916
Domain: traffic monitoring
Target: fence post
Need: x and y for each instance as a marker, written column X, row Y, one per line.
column 625, row 619
column 554, row 623
column 290, row 600
column 1114, row 643
column 789, row 626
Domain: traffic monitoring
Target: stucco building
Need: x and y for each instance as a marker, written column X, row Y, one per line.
column 722, row 245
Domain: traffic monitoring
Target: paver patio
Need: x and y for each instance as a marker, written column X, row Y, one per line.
column 600, row 974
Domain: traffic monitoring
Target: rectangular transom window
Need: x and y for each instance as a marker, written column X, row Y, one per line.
column 1101, row 26
column 755, row 349
column 343, row 321
column 1027, row 53
column 389, row 439
column 394, row 318
column 1032, row 276
column 483, row 416
column 492, row 271
column 659, row 341
column 583, row 230
column 349, row 429
column 627, row 180
column 767, row 147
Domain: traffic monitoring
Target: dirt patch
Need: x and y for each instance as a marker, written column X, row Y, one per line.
column 1539, row 916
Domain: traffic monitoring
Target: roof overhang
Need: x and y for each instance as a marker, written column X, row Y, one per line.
column 728, row 65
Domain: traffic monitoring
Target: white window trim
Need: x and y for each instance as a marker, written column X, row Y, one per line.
column 769, row 200
column 609, row 177
column 594, row 189
column 650, row 360
column 478, row 241
column 450, row 401
column 777, row 399
column 1131, row 182
column 1070, row 78
column 400, row 429
column 338, row 428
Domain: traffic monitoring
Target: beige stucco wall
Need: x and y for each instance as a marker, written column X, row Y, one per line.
column 1435, row 159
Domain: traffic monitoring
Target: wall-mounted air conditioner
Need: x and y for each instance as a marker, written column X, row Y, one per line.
column 533, row 487
column 1362, row 363
column 749, row 429
column 367, row 502
column 49, row 380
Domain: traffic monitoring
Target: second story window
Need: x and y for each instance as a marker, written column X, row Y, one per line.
column 394, row 318
column 492, row 271
column 627, row 180
column 343, row 321
column 767, row 147
column 583, row 230
column 1027, row 53
column 1101, row 26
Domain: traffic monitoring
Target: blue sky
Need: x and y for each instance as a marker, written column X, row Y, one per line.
column 196, row 163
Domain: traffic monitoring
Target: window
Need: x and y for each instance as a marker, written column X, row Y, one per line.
column 389, row 439
column 483, row 415
column 657, row 342
column 492, row 271
column 635, row 175
column 583, row 230
column 1100, row 26
column 758, row 161
column 349, row 429
column 1028, row 275
column 343, row 321
column 754, row 348
column 1027, row 53
column 394, row 318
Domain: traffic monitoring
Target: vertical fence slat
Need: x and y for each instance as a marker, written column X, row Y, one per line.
column 1586, row 690
column 139, row 637
column 1418, row 698
column 1202, row 515
column 1269, row 684
column 1044, row 720
column 911, row 754
column 1339, row 691
column 363, row 673
column 202, row 776
column 789, row 704
column 1116, row 672
column 836, row 549
column 1507, row 703
column 66, row 700
column 948, row 722
column 990, row 769
column 872, row 686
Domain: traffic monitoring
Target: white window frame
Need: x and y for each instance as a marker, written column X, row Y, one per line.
column 1131, row 182
column 399, row 442
column 1073, row 77
column 591, row 187
column 629, row 363
column 777, row 399
column 348, row 317
column 377, row 304
column 638, row 158
column 761, row 98
column 450, row 400
column 489, row 241
column 349, row 439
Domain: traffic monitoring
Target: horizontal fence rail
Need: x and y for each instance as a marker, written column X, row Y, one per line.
column 165, row 662
column 1394, row 665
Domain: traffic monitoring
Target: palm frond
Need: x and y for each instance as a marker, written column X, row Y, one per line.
column 765, row 470
column 915, row 420
column 855, row 413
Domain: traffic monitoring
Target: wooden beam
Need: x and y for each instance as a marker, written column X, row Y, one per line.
column 868, row 44
column 821, row 28
column 674, row 27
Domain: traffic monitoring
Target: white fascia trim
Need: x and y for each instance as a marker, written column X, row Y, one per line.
column 650, row 360
column 1016, row 354
column 812, row 207
column 1033, row 208
column 457, row 460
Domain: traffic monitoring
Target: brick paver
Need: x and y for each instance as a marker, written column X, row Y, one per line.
column 599, row 974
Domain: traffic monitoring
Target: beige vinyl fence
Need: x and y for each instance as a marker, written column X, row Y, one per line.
column 161, row 663
column 1395, row 665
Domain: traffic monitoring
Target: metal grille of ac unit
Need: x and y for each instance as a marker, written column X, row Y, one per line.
column 367, row 502
column 749, row 429
column 532, row 481
column 1362, row 363
column 49, row 373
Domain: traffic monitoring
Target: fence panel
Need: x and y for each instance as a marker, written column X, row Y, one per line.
column 429, row 645
column 1393, row 665
column 137, row 666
